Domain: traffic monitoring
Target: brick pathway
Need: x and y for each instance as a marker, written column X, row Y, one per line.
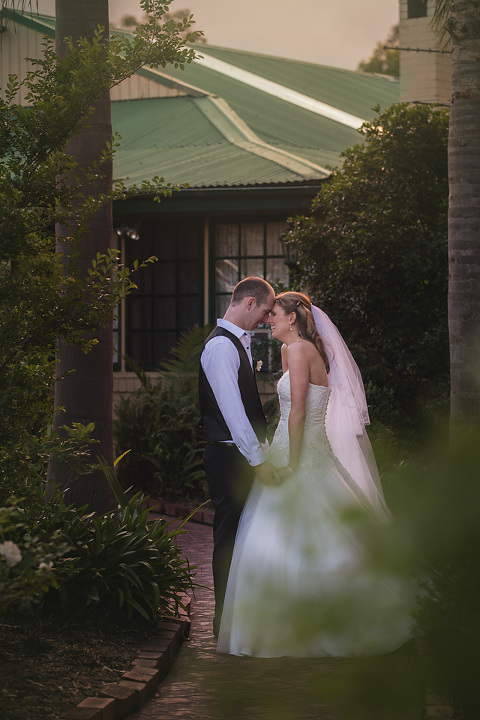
column 204, row 685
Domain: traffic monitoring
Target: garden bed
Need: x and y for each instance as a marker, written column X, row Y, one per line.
column 46, row 669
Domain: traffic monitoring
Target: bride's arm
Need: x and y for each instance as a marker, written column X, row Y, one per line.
column 299, row 380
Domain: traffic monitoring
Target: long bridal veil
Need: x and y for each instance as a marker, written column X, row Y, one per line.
column 347, row 415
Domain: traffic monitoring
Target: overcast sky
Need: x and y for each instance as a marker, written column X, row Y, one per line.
column 338, row 33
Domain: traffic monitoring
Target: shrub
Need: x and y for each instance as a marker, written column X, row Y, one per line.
column 58, row 558
column 27, row 559
column 447, row 533
column 373, row 254
column 160, row 425
column 119, row 564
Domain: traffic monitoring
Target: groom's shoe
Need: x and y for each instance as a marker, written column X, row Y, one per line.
column 216, row 628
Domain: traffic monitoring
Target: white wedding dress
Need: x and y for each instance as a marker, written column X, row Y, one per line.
column 303, row 582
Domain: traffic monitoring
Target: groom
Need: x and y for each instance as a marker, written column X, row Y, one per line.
column 233, row 421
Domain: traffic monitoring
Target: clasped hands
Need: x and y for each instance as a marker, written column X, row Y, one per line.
column 270, row 475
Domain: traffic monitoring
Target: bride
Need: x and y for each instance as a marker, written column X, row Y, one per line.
column 304, row 580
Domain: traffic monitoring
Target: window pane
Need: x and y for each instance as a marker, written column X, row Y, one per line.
column 168, row 300
column 139, row 313
column 188, row 277
column 226, row 240
column 251, row 267
column 277, row 270
column 274, row 233
column 188, row 243
column 165, row 313
column 226, row 273
column 417, row 8
column 188, row 312
column 116, row 336
column 221, row 304
column 165, row 243
column 143, row 279
column 164, row 281
column 139, row 347
column 252, row 239
column 163, row 343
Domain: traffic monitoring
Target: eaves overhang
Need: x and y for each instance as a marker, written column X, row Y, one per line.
column 290, row 199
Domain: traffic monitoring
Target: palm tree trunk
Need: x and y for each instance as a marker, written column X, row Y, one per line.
column 84, row 388
column 464, row 213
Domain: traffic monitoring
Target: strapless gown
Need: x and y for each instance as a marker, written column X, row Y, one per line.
column 304, row 581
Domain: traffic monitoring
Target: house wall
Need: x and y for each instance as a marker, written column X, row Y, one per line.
column 18, row 42
column 424, row 77
column 125, row 383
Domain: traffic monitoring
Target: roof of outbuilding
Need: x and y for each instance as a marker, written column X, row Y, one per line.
column 246, row 119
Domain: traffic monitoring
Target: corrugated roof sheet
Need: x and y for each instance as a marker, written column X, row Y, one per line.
column 284, row 125
column 251, row 137
column 198, row 141
column 354, row 92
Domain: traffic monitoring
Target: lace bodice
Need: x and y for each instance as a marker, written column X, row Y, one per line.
column 315, row 442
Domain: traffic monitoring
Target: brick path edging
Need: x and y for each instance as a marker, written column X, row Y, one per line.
column 156, row 658
column 151, row 665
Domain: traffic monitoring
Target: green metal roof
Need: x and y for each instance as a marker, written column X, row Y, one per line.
column 199, row 141
column 246, row 120
column 283, row 124
column 45, row 24
column 353, row 92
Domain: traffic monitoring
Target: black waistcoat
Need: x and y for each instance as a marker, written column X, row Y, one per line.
column 214, row 426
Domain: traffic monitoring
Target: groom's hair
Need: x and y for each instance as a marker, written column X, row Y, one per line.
column 251, row 287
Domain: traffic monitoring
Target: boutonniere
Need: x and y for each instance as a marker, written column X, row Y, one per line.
column 258, row 366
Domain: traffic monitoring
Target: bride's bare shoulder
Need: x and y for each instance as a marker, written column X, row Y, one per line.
column 300, row 347
column 297, row 353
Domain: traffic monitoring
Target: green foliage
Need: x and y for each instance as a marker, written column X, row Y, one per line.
column 118, row 564
column 23, row 464
column 447, row 534
column 160, row 425
column 57, row 558
column 179, row 16
column 373, row 254
column 384, row 61
column 26, row 559
column 44, row 295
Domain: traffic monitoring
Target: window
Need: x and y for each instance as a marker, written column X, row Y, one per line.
column 417, row 8
column 168, row 298
column 241, row 250
column 244, row 249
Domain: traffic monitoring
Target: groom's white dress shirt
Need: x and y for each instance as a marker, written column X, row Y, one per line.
column 220, row 363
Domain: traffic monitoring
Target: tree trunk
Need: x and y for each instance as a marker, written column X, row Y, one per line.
column 84, row 388
column 464, row 213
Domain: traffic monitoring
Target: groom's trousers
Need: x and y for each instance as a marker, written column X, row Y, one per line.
column 229, row 478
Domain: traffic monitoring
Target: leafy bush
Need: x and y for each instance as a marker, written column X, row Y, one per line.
column 27, row 559
column 58, row 558
column 373, row 254
column 118, row 564
column 59, row 288
column 160, row 425
column 447, row 534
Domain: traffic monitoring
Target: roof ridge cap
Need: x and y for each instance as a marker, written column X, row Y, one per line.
column 280, row 91
column 237, row 132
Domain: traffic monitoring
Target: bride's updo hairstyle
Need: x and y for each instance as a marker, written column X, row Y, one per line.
column 300, row 304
